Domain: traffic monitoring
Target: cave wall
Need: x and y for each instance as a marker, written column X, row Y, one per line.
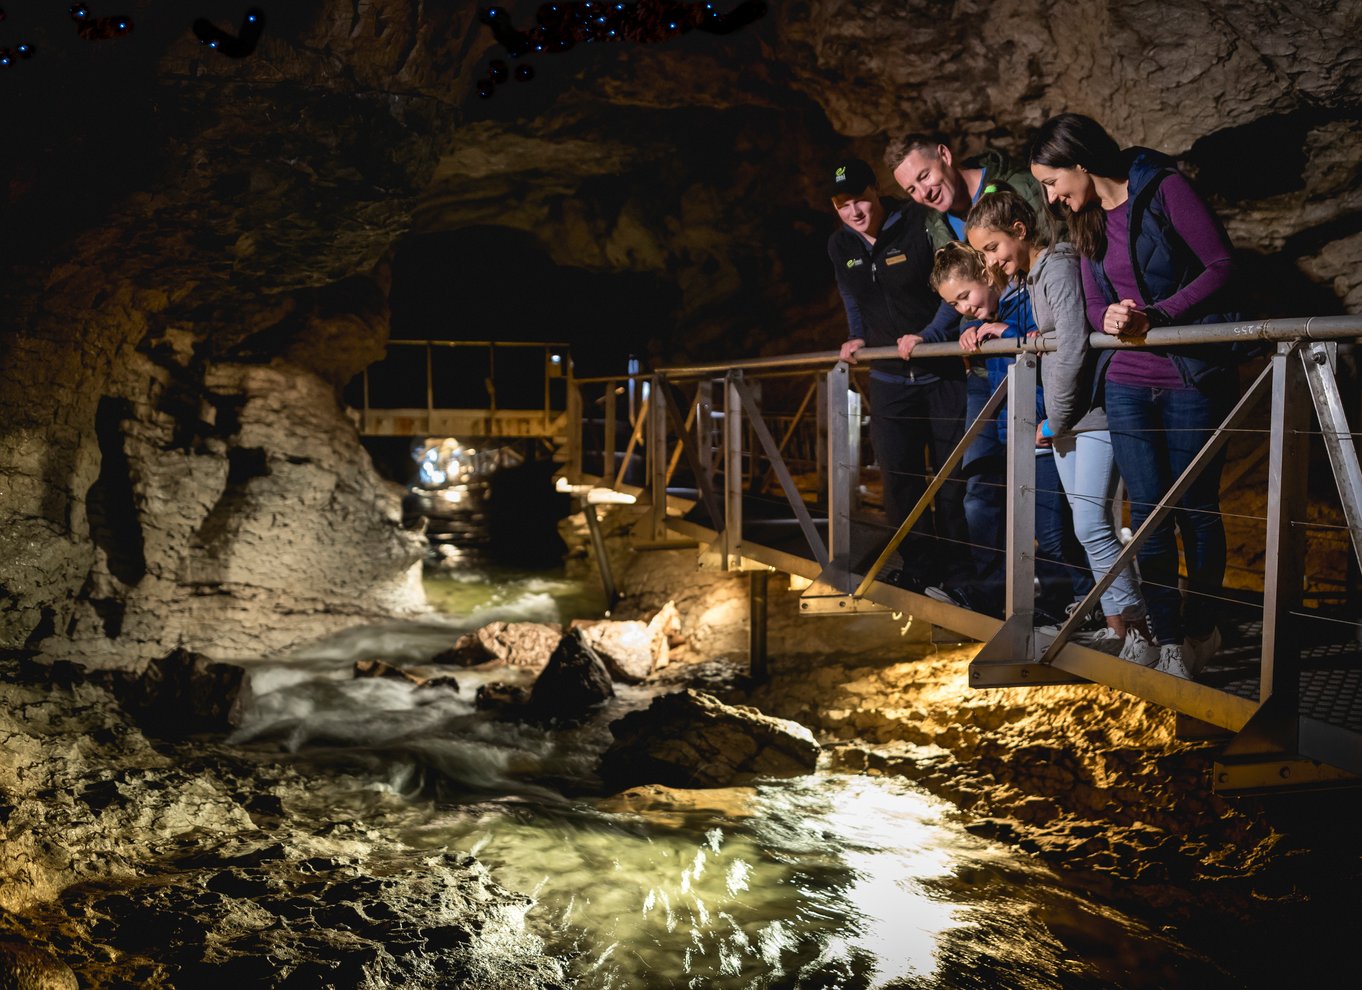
column 199, row 250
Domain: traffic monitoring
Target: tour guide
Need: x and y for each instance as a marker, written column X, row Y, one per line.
column 882, row 258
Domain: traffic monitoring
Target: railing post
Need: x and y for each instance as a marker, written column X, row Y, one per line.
column 731, row 548
column 657, row 456
column 1284, row 573
column 753, row 446
column 1021, row 487
column 1012, row 649
column 576, row 424
column 843, row 423
column 704, row 430
column 608, row 453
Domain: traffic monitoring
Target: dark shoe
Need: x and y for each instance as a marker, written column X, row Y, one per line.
column 1044, row 617
column 906, row 581
column 959, row 595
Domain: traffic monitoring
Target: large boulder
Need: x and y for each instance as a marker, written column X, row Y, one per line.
column 518, row 644
column 26, row 967
column 632, row 649
column 691, row 739
column 574, row 681
column 182, row 693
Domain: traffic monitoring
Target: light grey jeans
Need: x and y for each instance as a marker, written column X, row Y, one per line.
column 1087, row 470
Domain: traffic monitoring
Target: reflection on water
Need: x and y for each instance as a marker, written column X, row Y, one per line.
column 826, row 881
column 820, row 882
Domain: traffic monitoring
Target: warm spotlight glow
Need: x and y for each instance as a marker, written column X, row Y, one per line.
column 593, row 494
column 799, row 582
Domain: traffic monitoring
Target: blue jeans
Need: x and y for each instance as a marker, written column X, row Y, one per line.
column 912, row 428
column 985, row 470
column 1087, row 468
column 1061, row 564
column 1155, row 434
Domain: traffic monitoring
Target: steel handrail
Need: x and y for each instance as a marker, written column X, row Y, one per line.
column 1283, row 329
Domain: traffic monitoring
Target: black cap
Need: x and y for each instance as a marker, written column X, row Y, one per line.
column 850, row 177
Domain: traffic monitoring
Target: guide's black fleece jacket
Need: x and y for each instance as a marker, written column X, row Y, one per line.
column 886, row 293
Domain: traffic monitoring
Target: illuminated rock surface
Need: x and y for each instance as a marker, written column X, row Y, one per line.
column 196, row 867
column 691, row 739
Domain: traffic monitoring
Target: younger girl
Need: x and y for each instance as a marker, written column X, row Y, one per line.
column 962, row 278
column 1002, row 227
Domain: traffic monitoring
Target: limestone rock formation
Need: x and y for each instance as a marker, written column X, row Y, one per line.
column 691, row 739
column 198, row 865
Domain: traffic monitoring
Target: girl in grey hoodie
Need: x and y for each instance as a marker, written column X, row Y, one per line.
column 1002, row 226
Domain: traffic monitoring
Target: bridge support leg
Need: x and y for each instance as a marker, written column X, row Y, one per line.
column 593, row 525
column 758, row 582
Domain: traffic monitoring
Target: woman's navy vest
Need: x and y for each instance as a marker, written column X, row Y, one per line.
column 1164, row 264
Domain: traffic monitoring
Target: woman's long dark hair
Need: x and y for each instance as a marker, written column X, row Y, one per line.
column 1070, row 140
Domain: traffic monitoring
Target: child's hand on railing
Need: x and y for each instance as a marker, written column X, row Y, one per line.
column 971, row 339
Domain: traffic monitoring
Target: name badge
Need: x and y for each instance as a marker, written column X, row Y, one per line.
column 896, row 258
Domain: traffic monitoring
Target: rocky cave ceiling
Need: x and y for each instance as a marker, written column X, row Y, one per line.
column 179, row 225
column 676, row 177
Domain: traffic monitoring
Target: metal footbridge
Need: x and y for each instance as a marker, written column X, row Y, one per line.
column 510, row 390
column 760, row 465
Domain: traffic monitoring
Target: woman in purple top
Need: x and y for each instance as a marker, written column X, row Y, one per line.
column 1152, row 255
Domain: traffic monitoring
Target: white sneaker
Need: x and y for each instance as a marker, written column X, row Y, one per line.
column 1171, row 661
column 1104, row 640
column 1138, row 649
column 1199, row 650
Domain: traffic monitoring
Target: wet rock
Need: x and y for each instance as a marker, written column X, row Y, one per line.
column 517, row 644
column 574, row 681
column 500, row 695
column 381, row 668
column 160, row 874
column 629, row 648
column 691, row 739
column 183, row 693
column 675, row 805
column 438, row 921
column 632, row 649
column 26, row 967
column 667, row 624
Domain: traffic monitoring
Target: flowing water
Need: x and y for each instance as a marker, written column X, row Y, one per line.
column 830, row 880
